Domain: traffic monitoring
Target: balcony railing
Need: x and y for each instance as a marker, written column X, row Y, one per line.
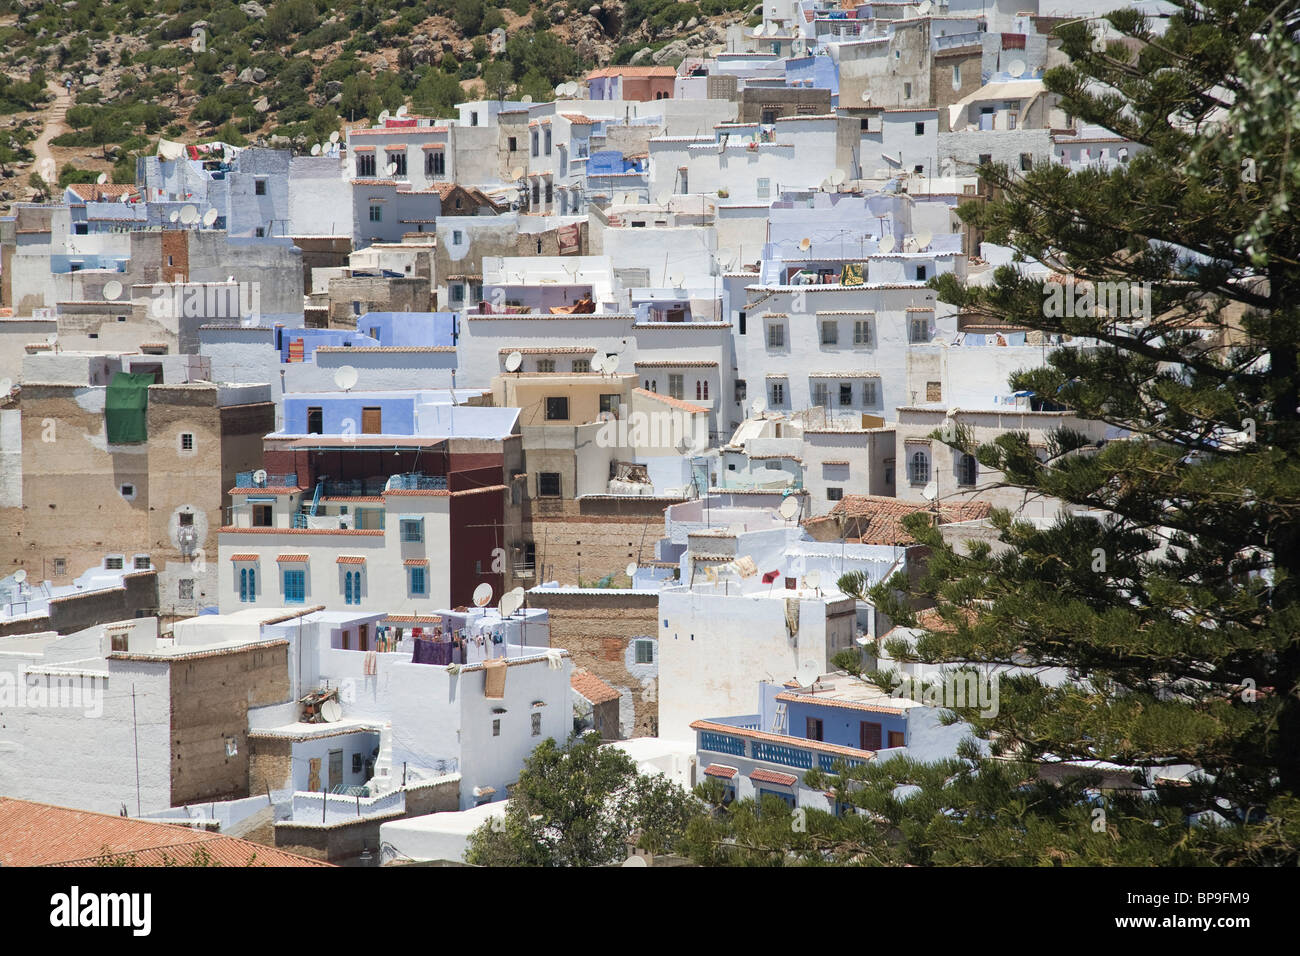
column 244, row 479
column 416, row 482
column 354, row 487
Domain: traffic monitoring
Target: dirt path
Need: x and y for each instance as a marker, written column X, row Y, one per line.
column 55, row 125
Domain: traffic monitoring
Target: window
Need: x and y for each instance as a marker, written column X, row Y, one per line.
column 675, row 386
column 398, row 161
column 418, row 585
column 546, row 365
column 834, row 494
column 187, row 441
column 259, row 187
column 262, row 516
column 537, row 193
column 920, row 129
column 918, row 468
column 534, row 142
column 537, row 725
column 763, row 187
column 934, row 391
column 1026, row 162
column 372, row 420
column 956, row 76
column 582, row 365
column 820, row 394
column 185, row 589
column 907, row 90
column 412, row 529
column 295, row 586
column 548, row 484
column 455, row 237
column 897, row 739
column 768, row 117
column 547, row 139
column 986, row 158
column 967, row 469
column 742, row 323
column 920, row 273
column 869, row 735
column 814, row 729
column 550, row 192
column 60, row 566
column 435, row 163
column 114, row 562
column 365, row 164
column 557, row 408
column 496, row 723
column 128, row 491
column 777, row 390
column 186, row 519
column 141, row 562
column 376, row 213
column 846, row 394
column 513, row 143
column 645, row 652
column 869, row 394
column 315, row 420
column 918, row 330
column 247, row 585
column 830, row 332
column 260, row 232
column 861, row 332
column 776, row 336
column 701, row 390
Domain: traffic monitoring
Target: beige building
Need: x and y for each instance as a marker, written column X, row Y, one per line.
column 155, row 502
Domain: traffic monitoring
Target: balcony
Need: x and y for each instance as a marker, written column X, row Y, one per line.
column 416, row 482
column 244, row 479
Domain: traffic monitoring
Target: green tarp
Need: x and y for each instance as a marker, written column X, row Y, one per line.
column 124, row 407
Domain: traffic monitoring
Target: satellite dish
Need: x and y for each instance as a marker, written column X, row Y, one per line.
column 383, row 117
column 866, row 96
column 1016, row 68
column 483, row 595
column 809, row 672
column 826, row 186
column 813, row 578
column 390, row 168
column 758, row 30
column 52, row 338
column 930, row 491
column 209, row 217
column 805, row 244
column 315, row 149
column 610, row 364
column 514, row 360
column 838, row 176
column 526, row 98
column 573, row 88
column 789, row 509
column 112, row 289
column 189, row 215
column 510, row 602
column 597, row 362
column 101, row 178
column 676, row 279
column 559, row 89
column 20, row 575
column 887, row 244
column 346, row 377
column 923, row 8
column 334, row 136
column 923, row 239
column 330, row 711
column 631, row 570
column 759, row 406
column 174, row 216
column 516, row 174
column 403, row 110
column 259, row 477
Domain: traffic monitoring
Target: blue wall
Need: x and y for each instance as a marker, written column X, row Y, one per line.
column 312, row 339
column 398, row 413
column 406, row 329
column 841, row 725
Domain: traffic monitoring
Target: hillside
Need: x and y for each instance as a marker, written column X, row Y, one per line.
column 85, row 87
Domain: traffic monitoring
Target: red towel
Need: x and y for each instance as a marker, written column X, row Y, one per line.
column 771, row 576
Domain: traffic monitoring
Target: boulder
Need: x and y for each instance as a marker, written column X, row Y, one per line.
column 254, row 11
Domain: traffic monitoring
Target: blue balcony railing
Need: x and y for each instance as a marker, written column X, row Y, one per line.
column 244, row 479
column 417, row 482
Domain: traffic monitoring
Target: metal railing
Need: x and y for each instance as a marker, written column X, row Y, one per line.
column 244, row 479
column 416, row 482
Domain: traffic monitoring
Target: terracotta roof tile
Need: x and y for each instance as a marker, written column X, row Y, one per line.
column 674, row 402
column 350, row 559
column 38, row 834
column 415, row 563
column 717, row 770
column 93, row 192
column 846, row 704
column 246, row 557
column 772, row 776
column 876, row 519
column 592, row 687
column 292, row 558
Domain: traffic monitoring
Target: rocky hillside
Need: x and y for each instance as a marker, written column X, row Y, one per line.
column 86, row 85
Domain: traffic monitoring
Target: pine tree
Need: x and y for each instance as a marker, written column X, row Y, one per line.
column 1170, row 588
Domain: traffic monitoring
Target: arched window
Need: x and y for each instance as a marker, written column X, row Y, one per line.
column 699, row 392
column 967, row 469
column 243, row 584
column 706, row 389
column 919, row 468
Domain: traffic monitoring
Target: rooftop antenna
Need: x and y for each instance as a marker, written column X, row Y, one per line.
column 805, row 244
column 923, row 8
column 383, row 117
column 403, row 110
column 838, row 176
column 315, row 149
column 346, row 377
column 813, row 578
column 20, row 575
column 174, row 216
column 610, row 364
column 630, row 570
column 390, row 168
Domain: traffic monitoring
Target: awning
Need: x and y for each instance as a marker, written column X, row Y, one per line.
column 350, row 559
column 245, row 557
column 292, row 559
column 717, row 770
column 772, row 776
